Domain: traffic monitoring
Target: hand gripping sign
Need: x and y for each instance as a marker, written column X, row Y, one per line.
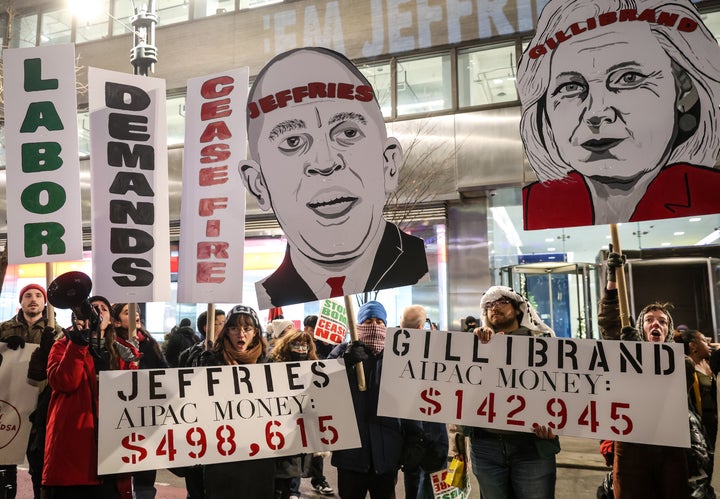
column 164, row 418
column 583, row 388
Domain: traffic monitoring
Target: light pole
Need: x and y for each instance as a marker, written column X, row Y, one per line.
column 143, row 54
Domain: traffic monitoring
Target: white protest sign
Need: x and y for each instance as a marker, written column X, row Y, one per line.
column 43, row 164
column 212, row 221
column 129, row 167
column 162, row 418
column 626, row 391
column 332, row 323
column 17, row 401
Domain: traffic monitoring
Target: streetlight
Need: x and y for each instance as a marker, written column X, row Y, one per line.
column 144, row 53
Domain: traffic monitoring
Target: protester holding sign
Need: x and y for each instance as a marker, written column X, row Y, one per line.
column 641, row 470
column 510, row 463
column 71, row 448
column 435, row 435
column 374, row 466
column 31, row 325
column 240, row 341
column 150, row 357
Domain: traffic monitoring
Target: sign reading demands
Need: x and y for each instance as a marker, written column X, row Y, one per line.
column 583, row 388
column 130, row 209
column 162, row 418
column 332, row 323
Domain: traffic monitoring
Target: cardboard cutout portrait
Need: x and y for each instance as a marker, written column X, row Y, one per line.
column 620, row 113
column 322, row 161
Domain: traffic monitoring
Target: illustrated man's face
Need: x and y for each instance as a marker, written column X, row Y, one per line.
column 324, row 164
column 611, row 101
column 32, row 302
column 655, row 326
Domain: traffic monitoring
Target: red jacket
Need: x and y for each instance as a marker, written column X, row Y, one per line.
column 71, row 452
column 679, row 190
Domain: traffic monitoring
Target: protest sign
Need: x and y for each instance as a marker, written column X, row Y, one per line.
column 212, row 234
column 129, row 166
column 442, row 490
column 332, row 323
column 583, row 388
column 17, row 401
column 162, row 418
column 43, row 165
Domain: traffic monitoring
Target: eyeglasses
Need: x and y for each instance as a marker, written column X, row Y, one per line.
column 243, row 329
column 497, row 303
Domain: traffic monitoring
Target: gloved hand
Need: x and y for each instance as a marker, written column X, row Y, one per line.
column 614, row 261
column 629, row 333
column 37, row 367
column 356, row 352
column 14, row 342
column 79, row 336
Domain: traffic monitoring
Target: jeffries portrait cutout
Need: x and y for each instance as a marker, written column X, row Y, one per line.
column 322, row 161
column 620, row 113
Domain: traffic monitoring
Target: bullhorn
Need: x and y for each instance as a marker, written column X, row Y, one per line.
column 71, row 290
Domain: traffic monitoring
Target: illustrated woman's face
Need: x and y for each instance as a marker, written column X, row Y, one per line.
column 611, row 102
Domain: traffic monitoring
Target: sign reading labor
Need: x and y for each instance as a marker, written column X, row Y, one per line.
column 323, row 162
column 43, row 165
column 587, row 82
column 332, row 323
column 130, row 210
column 163, row 418
column 582, row 388
column 213, row 202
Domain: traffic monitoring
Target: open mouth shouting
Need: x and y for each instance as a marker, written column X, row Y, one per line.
column 655, row 335
column 335, row 207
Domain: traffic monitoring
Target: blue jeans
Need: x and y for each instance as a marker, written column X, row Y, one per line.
column 509, row 466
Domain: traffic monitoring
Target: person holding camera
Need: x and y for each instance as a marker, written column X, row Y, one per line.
column 71, row 445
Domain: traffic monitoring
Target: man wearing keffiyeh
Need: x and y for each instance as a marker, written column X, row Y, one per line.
column 373, row 467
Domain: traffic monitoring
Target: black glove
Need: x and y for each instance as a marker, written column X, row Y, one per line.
column 614, row 261
column 79, row 336
column 629, row 333
column 356, row 352
column 37, row 368
column 14, row 342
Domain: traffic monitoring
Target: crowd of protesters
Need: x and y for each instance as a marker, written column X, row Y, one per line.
column 66, row 364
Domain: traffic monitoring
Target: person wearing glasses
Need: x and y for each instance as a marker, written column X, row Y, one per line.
column 240, row 341
column 512, row 463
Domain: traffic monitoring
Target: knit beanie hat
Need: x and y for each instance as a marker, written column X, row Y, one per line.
column 372, row 309
column 280, row 325
column 243, row 309
column 32, row 286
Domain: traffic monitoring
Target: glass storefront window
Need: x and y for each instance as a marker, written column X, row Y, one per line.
column 712, row 21
column 486, row 76
column 83, row 124
column 92, row 23
column 56, row 27
column 25, row 31
column 207, row 8
column 380, row 78
column 251, row 4
column 172, row 11
column 423, row 85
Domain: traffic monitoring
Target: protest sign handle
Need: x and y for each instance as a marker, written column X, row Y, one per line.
column 210, row 326
column 49, row 276
column 620, row 276
column 350, row 313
